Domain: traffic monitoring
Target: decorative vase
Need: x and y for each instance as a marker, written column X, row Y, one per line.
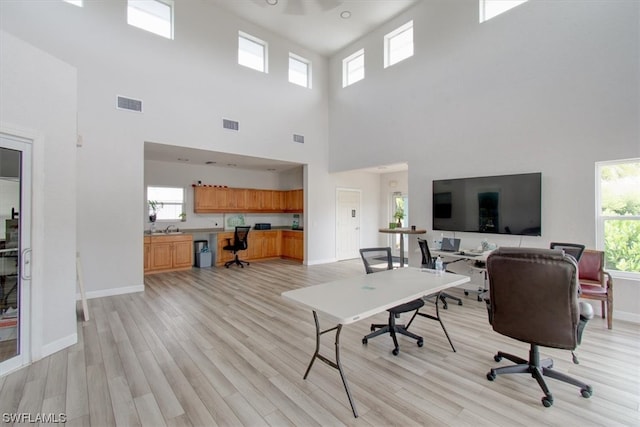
column 399, row 224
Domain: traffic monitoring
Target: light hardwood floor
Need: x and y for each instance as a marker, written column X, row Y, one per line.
column 211, row 347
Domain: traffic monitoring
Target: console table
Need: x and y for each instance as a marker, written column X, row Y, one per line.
column 402, row 232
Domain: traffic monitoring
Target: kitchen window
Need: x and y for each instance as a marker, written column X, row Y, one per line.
column 170, row 202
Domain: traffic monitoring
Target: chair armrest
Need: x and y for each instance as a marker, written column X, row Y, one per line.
column 586, row 314
column 228, row 240
column 488, row 303
column 609, row 281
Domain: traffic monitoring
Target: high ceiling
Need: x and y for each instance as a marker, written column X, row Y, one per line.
column 318, row 24
column 315, row 24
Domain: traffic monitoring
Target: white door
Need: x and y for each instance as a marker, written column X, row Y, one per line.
column 347, row 224
column 15, row 252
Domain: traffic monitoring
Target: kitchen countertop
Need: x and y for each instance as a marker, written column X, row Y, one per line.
column 220, row 230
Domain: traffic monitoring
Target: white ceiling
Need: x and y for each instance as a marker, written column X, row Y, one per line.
column 317, row 24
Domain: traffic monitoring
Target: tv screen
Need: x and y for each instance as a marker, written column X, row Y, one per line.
column 504, row 204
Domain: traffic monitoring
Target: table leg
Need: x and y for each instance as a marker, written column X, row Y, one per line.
column 337, row 365
column 401, row 250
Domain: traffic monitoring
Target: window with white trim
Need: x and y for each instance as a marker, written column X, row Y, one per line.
column 492, row 8
column 618, row 215
column 155, row 16
column 252, row 52
column 353, row 68
column 170, row 202
column 74, row 2
column 299, row 71
column 398, row 44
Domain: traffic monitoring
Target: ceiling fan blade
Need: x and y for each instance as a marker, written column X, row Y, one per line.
column 294, row 7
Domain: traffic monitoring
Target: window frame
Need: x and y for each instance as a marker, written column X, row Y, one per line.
column 306, row 62
column 345, row 67
column 169, row 3
column 483, row 8
column 388, row 39
column 165, row 203
column 601, row 219
column 265, row 51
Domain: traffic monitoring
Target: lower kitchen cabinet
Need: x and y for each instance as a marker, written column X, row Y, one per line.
column 168, row 253
column 263, row 244
column 293, row 245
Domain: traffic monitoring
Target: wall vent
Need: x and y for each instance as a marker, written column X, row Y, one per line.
column 230, row 124
column 130, row 104
column 298, row 138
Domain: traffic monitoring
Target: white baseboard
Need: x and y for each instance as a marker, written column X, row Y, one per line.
column 112, row 292
column 321, row 261
column 57, row 345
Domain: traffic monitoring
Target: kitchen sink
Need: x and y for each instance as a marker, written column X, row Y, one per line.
column 163, row 233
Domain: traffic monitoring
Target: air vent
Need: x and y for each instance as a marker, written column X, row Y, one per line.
column 298, row 138
column 230, row 124
column 129, row 104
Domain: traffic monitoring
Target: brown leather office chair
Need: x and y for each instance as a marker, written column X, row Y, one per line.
column 534, row 299
column 596, row 283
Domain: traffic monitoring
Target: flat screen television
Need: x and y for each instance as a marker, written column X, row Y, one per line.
column 503, row 204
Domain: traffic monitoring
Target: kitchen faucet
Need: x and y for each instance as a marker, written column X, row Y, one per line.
column 168, row 229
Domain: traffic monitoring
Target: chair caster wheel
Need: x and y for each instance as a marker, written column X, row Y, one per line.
column 373, row 328
column 466, row 293
column 586, row 392
column 479, row 299
column 364, row 340
column 497, row 358
column 460, row 302
column 227, row 266
column 420, row 343
column 547, row 401
column 395, row 351
column 445, row 306
column 491, row 375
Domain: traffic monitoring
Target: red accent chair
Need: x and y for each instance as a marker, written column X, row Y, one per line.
column 596, row 283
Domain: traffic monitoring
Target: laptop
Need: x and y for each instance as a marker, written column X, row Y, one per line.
column 449, row 244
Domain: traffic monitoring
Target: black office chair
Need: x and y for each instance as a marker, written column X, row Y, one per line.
column 429, row 262
column 573, row 249
column 534, row 299
column 380, row 259
column 240, row 243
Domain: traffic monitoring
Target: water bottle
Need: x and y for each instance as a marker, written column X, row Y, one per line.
column 439, row 266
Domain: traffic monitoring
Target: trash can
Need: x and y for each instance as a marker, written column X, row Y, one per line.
column 198, row 246
column 203, row 259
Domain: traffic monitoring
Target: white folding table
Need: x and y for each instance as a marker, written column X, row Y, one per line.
column 349, row 300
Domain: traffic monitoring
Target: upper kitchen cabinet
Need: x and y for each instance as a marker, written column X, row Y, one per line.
column 220, row 200
column 294, row 201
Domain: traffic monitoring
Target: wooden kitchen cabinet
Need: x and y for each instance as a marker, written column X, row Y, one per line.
column 293, row 245
column 264, row 244
column 220, row 200
column 168, row 253
column 147, row 254
column 295, row 201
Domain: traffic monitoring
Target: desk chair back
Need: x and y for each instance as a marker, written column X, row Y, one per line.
column 376, row 259
column 427, row 259
column 573, row 249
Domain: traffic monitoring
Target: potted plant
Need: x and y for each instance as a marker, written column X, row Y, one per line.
column 399, row 215
column 183, row 216
column 154, row 206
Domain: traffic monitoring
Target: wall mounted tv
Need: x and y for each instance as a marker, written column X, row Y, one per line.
column 504, row 204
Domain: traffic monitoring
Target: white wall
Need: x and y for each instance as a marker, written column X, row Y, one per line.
column 188, row 85
column 547, row 87
column 38, row 102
